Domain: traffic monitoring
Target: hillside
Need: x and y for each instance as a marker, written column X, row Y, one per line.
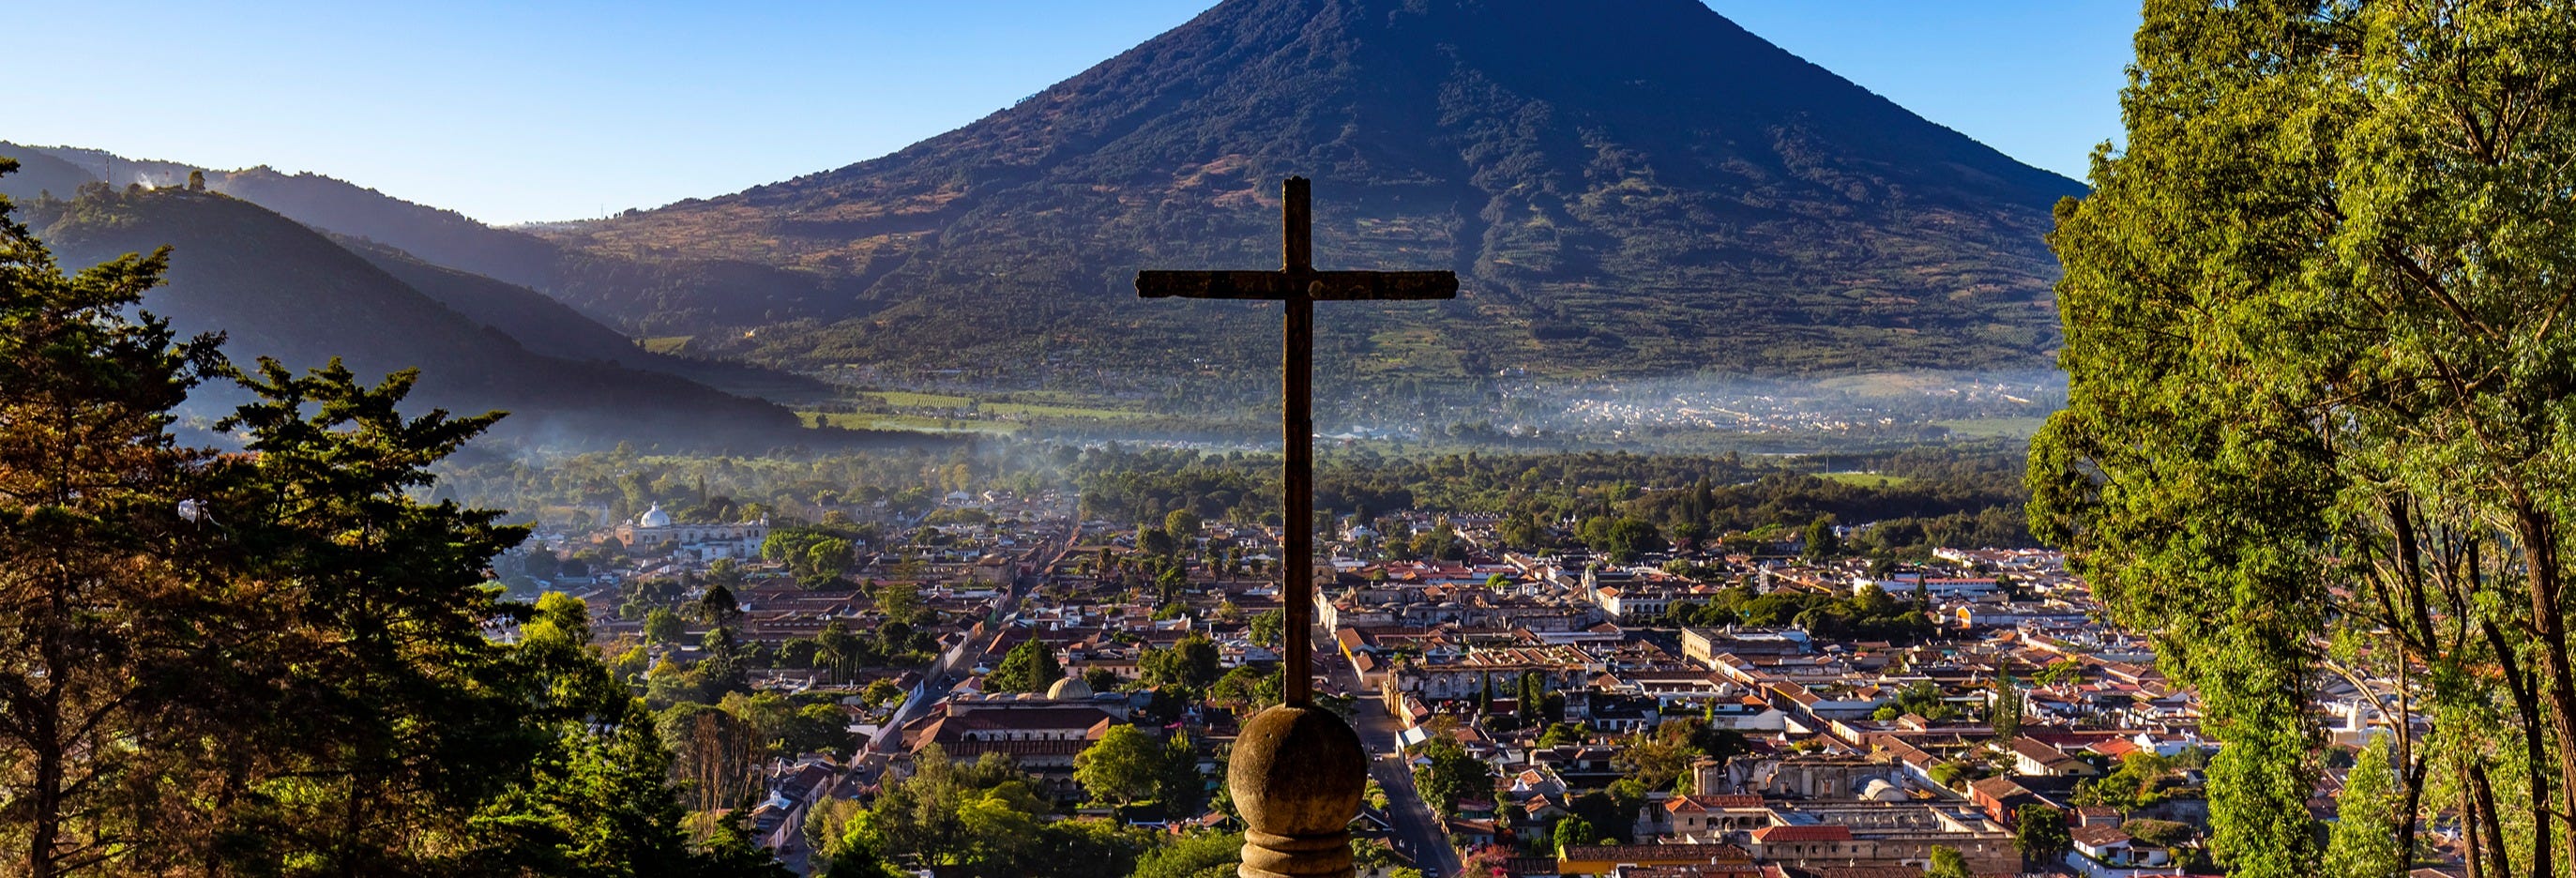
column 660, row 293
column 1625, row 187
column 549, row 327
column 279, row 289
column 649, row 295
column 543, row 323
column 40, row 174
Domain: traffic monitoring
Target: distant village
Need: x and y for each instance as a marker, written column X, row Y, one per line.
column 1541, row 712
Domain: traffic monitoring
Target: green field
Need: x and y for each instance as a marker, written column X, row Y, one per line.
column 908, row 423
column 1993, row 428
column 1034, row 410
column 1865, row 480
column 665, row 344
column 906, row 399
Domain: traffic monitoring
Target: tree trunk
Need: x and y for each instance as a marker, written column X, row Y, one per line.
column 2526, row 704
column 2469, row 828
column 2495, row 828
column 46, row 728
column 2540, row 566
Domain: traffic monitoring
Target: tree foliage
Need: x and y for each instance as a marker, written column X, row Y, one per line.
column 2319, row 369
column 1124, row 766
column 1453, row 776
column 2040, row 832
column 1192, row 664
column 1028, row 667
column 275, row 662
column 2363, row 843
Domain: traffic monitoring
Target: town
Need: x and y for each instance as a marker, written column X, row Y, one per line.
column 1737, row 706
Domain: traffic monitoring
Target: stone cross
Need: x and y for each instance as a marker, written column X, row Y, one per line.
column 1300, row 286
column 1297, row 771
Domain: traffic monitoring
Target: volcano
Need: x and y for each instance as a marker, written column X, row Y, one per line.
column 1624, row 187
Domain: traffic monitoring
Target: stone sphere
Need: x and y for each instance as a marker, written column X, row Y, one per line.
column 1297, row 771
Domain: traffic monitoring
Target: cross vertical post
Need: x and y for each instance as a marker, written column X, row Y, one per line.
column 1297, row 443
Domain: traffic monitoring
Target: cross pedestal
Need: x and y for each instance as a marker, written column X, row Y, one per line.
column 1297, row 771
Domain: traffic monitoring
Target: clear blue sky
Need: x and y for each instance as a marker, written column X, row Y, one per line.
column 519, row 111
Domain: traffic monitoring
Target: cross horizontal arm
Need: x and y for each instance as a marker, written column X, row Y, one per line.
column 1322, row 286
column 1272, row 285
column 1358, row 286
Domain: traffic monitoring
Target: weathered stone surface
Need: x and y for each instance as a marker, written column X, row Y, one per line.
column 1297, row 775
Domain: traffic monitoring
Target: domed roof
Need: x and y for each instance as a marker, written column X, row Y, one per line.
column 1880, row 790
column 1069, row 687
column 654, row 517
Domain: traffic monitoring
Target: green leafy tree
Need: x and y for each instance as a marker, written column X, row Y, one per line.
column 2363, row 843
column 1264, row 628
column 2040, row 832
column 2134, row 785
column 1123, row 767
column 1572, row 831
column 1453, row 776
column 1180, row 786
column 1182, row 525
column 1192, row 663
column 304, row 632
column 827, row 557
column 925, row 818
column 1822, row 542
column 2312, row 306
column 1102, row 679
column 840, row 651
column 1561, row 733
column 400, row 610
column 1947, row 863
column 881, row 692
column 899, row 601
column 1196, row 856
column 1246, row 688
column 663, row 626
column 1029, row 667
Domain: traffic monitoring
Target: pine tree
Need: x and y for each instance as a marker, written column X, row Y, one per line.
column 2005, row 717
column 276, row 662
column 97, row 552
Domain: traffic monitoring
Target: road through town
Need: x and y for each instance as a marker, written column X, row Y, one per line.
column 1418, row 831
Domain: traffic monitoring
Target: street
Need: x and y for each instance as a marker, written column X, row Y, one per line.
column 1419, row 832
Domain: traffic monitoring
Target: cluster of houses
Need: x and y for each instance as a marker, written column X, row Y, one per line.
column 1842, row 775
column 1855, row 758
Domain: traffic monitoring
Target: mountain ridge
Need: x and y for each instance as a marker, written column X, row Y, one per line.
column 276, row 288
column 468, row 266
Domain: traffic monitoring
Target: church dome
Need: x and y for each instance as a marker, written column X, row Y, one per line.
column 1069, row 687
column 654, row 517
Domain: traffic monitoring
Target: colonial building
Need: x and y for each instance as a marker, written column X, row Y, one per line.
column 709, row 541
column 1042, row 733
